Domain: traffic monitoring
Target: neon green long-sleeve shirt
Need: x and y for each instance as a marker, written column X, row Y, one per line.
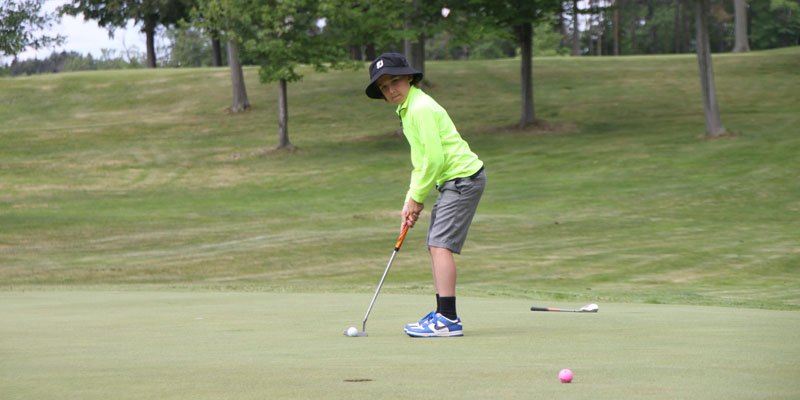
column 438, row 153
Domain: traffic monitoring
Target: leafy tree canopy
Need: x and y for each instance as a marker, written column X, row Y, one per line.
column 281, row 34
column 20, row 23
column 116, row 13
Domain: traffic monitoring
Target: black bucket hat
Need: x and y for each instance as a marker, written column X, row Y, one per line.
column 389, row 64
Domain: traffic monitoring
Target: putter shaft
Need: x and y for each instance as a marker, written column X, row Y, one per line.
column 385, row 272
column 375, row 296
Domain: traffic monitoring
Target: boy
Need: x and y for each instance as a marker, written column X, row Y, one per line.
column 440, row 158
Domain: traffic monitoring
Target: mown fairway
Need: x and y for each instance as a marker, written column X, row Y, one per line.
column 141, row 177
column 154, row 246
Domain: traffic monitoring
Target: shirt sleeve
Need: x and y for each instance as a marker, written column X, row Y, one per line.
column 429, row 155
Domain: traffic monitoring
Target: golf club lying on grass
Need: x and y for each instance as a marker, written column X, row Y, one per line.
column 586, row 308
column 363, row 331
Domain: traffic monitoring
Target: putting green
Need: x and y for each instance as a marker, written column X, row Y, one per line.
column 212, row 345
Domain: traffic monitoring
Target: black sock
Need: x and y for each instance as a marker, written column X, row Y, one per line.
column 438, row 303
column 448, row 307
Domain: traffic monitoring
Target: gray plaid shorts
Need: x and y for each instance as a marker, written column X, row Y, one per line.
column 452, row 214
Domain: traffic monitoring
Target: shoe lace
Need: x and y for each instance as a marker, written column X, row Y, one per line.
column 428, row 317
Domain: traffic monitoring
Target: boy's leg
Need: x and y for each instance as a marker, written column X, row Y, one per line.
column 444, row 279
column 444, row 271
column 451, row 217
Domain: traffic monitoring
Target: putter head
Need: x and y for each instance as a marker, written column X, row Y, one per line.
column 589, row 308
column 359, row 334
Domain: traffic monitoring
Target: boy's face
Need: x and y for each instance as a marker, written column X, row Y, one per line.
column 395, row 88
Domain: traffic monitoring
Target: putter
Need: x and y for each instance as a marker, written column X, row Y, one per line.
column 586, row 308
column 363, row 331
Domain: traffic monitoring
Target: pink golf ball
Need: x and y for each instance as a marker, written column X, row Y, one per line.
column 565, row 376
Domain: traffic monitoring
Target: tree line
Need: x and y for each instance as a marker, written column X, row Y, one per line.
column 605, row 27
column 629, row 27
column 71, row 61
column 279, row 35
column 576, row 27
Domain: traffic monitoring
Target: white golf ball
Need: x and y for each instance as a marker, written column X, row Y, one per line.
column 352, row 331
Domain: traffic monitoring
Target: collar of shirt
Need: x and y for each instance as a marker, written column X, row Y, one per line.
column 413, row 92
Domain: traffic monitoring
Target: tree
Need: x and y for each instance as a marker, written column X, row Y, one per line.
column 616, row 27
column 113, row 14
column 742, row 44
column 20, row 23
column 413, row 21
column 519, row 16
column 424, row 19
column 774, row 24
column 576, row 32
column 366, row 24
column 240, row 101
column 226, row 19
column 216, row 49
column 189, row 47
column 281, row 35
column 416, row 21
column 292, row 32
column 666, row 26
column 682, row 30
column 710, row 108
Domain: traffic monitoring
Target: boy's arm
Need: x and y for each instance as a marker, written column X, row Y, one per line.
column 429, row 154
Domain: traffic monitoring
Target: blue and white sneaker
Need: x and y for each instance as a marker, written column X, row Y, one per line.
column 424, row 321
column 438, row 326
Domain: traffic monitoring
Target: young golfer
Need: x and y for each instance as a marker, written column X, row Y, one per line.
column 441, row 159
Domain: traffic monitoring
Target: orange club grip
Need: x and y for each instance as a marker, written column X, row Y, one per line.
column 401, row 238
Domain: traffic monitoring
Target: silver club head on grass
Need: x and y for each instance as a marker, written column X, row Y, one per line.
column 358, row 333
column 363, row 331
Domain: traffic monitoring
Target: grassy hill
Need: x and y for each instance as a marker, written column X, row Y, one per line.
column 140, row 178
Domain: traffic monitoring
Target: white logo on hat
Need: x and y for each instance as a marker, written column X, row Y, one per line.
column 379, row 65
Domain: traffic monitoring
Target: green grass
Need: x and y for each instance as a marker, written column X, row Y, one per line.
column 204, row 345
column 154, row 246
column 140, row 179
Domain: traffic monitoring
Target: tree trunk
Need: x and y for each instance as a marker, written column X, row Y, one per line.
column 283, row 117
column 415, row 49
column 562, row 25
column 150, row 33
column 616, row 27
column 590, row 30
column 576, row 37
column 526, row 46
column 710, row 108
column 600, row 39
column 446, row 45
column 686, row 34
column 742, row 45
column 464, row 56
column 415, row 53
column 240, row 102
column 601, row 27
column 355, row 52
column 676, row 28
column 653, row 36
column 666, row 38
column 370, row 51
column 216, row 50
